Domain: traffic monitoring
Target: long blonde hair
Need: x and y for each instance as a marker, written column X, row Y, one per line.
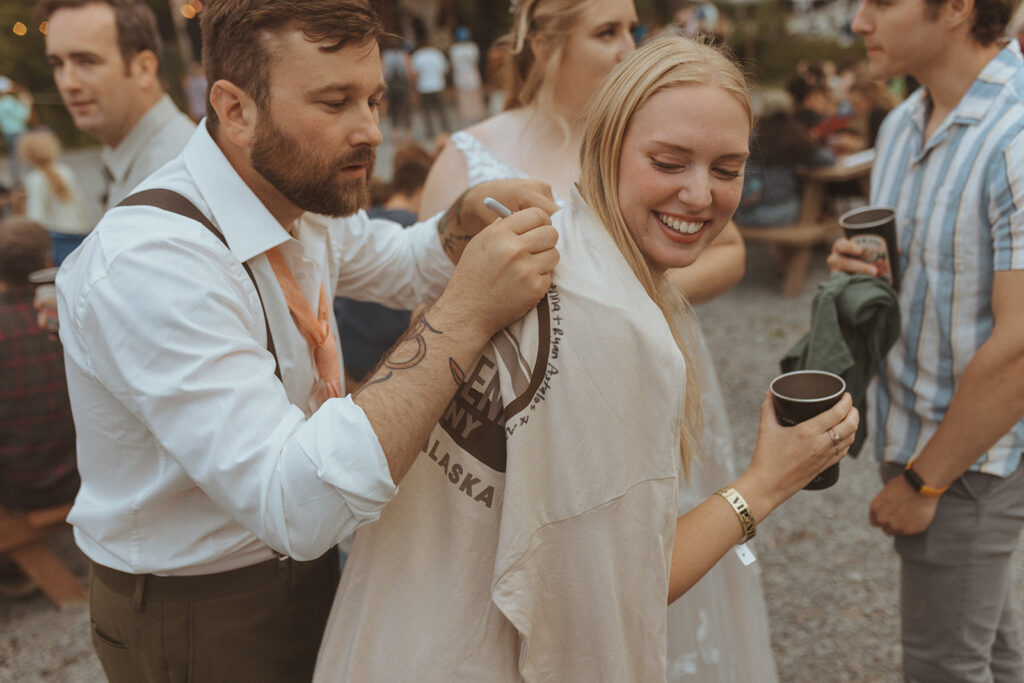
column 41, row 149
column 528, row 81
column 664, row 62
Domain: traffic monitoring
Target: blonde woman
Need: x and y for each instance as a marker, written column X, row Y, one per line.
column 536, row 537
column 52, row 198
column 560, row 51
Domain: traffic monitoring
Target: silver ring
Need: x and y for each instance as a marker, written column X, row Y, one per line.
column 835, row 437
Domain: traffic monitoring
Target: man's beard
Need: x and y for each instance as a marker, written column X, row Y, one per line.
column 308, row 176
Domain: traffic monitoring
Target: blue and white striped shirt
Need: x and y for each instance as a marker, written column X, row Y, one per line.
column 959, row 202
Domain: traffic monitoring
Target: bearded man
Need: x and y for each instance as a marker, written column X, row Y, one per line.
column 220, row 459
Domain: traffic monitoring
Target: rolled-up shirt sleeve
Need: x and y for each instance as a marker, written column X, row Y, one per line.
column 384, row 263
column 173, row 331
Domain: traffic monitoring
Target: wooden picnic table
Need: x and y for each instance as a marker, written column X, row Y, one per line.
column 793, row 245
column 21, row 537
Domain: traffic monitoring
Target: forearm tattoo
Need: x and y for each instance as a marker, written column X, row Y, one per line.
column 409, row 352
column 450, row 242
column 451, row 220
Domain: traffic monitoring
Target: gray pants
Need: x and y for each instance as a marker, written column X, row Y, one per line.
column 959, row 620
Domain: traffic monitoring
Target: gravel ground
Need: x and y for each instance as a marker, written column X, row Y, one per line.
column 830, row 579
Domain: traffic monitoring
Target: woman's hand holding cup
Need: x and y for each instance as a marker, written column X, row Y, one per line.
column 787, row 458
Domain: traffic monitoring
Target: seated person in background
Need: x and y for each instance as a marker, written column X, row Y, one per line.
column 52, row 197
column 870, row 101
column 810, row 73
column 771, row 186
column 37, row 435
column 850, row 71
column 817, row 111
column 368, row 329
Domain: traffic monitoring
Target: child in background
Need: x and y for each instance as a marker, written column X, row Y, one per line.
column 51, row 193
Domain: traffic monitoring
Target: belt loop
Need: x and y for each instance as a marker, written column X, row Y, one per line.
column 139, row 598
column 285, row 564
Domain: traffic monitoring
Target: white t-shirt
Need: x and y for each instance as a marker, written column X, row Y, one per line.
column 431, row 67
column 465, row 65
column 531, row 538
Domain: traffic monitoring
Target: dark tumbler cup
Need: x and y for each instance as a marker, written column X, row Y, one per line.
column 874, row 229
column 799, row 396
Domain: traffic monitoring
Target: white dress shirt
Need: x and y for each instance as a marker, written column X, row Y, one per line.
column 158, row 137
column 194, row 457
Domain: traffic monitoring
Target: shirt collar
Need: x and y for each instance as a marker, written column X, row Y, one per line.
column 119, row 159
column 249, row 228
column 976, row 102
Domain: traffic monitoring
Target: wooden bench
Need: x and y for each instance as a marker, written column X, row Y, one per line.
column 793, row 245
column 21, row 537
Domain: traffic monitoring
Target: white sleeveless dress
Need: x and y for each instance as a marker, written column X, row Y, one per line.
column 718, row 631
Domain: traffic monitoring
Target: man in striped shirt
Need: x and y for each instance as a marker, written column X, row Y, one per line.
column 950, row 402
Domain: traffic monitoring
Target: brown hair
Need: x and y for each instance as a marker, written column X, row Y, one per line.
column 988, row 21
column 380, row 192
column 664, row 62
column 874, row 92
column 780, row 140
column 41, row 149
column 134, row 20
column 235, row 36
column 24, row 248
column 412, row 163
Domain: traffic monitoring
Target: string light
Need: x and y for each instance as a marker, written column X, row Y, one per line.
column 19, row 29
column 191, row 9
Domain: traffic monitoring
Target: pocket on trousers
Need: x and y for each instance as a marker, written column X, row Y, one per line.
column 101, row 637
column 977, row 486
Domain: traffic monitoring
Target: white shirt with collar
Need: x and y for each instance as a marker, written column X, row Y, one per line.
column 194, row 457
column 158, row 137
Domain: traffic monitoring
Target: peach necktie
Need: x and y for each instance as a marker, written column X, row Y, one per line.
column 316, row 328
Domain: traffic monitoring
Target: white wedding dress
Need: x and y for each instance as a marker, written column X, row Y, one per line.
column 718, row 631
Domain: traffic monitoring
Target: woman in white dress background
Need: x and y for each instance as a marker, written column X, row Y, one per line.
column 469, row 95
column 559, row 52
column 52, row 197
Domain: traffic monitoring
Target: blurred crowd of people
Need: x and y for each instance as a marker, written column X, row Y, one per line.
column 822, row 114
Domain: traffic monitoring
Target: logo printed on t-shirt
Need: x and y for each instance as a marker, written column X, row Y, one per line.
column 475, row 418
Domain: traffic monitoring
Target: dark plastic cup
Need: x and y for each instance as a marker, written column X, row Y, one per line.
column 799, row 396
column 874, row 229
column 46, row 296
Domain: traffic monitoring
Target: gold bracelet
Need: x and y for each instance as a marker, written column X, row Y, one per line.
column 739, row 504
